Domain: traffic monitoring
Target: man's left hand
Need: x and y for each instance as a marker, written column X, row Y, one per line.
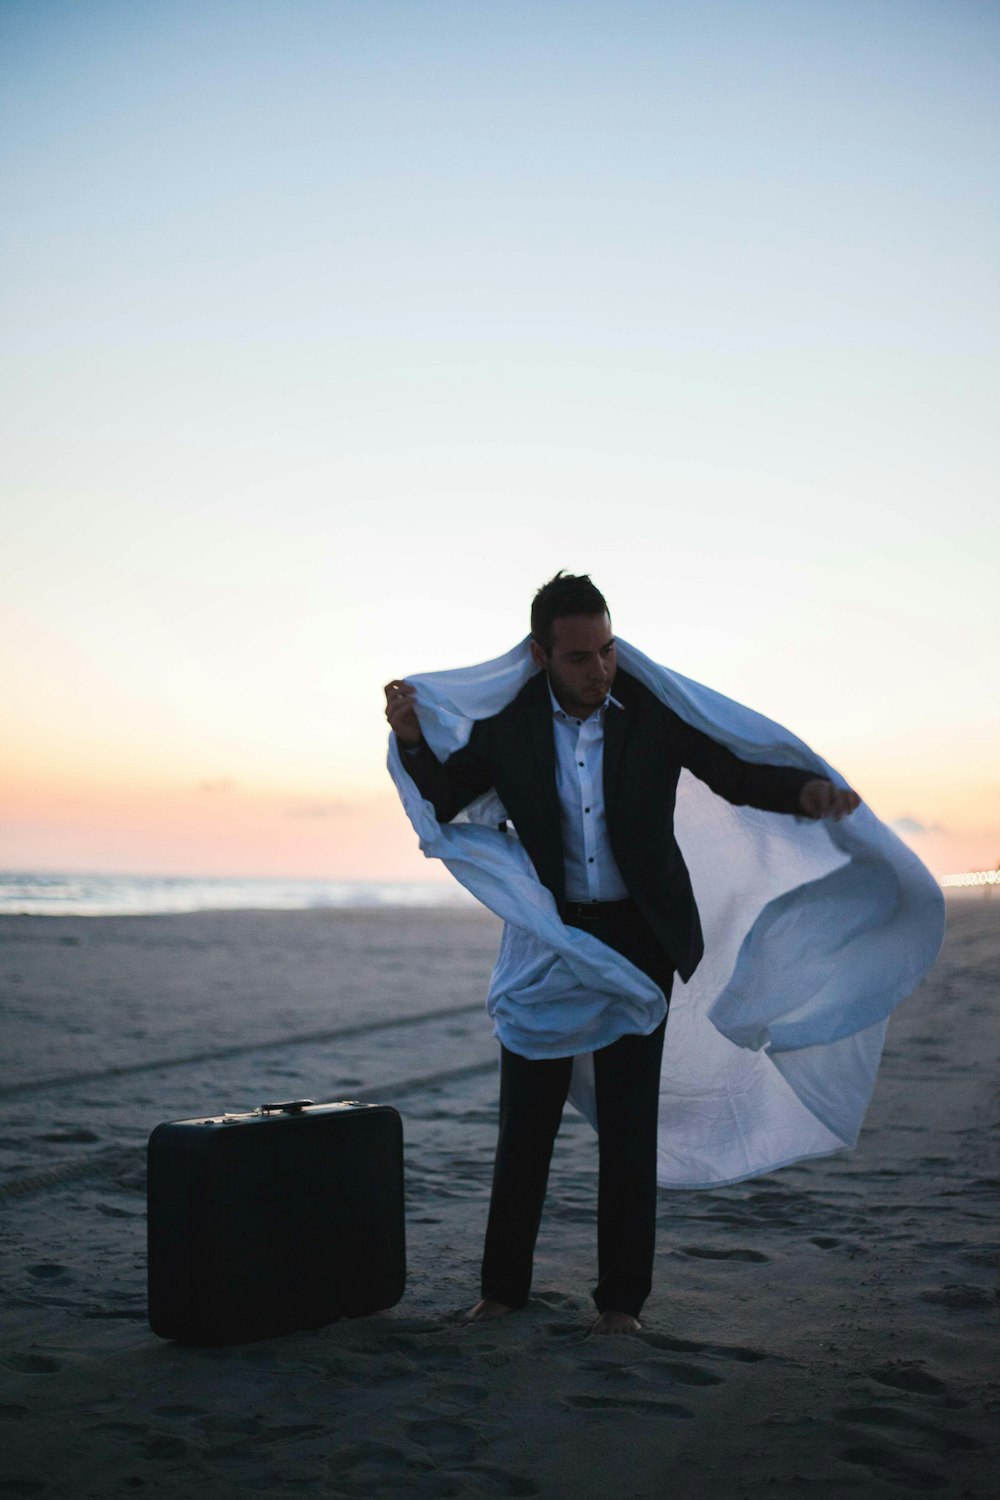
column 821, row 799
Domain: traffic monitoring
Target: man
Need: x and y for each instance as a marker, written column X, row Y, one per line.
column 586, row 761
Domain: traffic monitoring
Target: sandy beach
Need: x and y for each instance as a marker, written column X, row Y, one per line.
column 828, row 1330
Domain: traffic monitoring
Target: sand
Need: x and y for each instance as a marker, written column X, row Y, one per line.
column 829, row 1330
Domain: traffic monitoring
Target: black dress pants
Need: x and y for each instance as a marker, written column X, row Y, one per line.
column 532, row 1095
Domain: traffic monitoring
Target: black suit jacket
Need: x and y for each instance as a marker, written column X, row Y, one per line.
column 645, row 746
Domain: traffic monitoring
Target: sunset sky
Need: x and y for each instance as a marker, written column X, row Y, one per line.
column 332, row 330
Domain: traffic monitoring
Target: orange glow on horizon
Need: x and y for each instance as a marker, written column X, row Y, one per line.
column 220, row 827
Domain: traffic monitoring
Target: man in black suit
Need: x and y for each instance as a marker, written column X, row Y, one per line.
column 586, row 762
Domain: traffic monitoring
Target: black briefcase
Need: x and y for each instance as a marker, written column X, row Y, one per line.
column 280, row 1219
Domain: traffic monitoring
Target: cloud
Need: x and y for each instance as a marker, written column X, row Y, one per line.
column 318, row 810
column 222, row 784
column 913, row 825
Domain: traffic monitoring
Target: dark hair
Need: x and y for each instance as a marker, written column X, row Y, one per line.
column 565, row 594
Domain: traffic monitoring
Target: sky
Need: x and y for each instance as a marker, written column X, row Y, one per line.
column 332, row 330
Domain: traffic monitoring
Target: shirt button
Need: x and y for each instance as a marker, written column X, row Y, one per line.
column 579, row 762
column 590, row 861
column 586, row 809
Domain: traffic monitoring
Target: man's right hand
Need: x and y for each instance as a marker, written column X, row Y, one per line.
column 401, row 714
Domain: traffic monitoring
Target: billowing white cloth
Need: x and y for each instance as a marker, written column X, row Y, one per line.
column 814, row 932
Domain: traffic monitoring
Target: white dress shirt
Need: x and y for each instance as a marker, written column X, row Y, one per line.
column 591, row 872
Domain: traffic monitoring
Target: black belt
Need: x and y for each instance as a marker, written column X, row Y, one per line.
column 592, row 911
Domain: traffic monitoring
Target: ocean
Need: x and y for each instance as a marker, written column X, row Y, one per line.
column 59, row 894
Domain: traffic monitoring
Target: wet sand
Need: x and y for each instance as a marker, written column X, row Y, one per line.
column 830, row 1329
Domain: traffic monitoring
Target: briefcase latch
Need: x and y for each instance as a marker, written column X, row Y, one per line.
column 286, row 1107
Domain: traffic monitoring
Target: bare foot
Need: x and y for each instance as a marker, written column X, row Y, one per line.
column 485, row 1310
column 616, row 1322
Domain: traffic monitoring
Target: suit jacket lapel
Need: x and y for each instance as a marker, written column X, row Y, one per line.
column 615, row 724
column 541, row 736
column 542, row 741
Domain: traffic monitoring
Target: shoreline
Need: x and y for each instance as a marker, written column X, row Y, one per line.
column 446, row 897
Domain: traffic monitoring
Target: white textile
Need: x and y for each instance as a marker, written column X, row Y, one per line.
column 814, row 932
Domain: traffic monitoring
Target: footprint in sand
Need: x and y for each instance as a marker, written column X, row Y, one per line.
column 448, row 1442
column 573, row 1333
column 705, row 1252
column 33, row 1364
column 670, row 1371
column 118, row 1314
column 46, row 1270
column 883, row 1464
column 902, row 1421
column 736, row 1352
column 561, row 1301
column 152, row 1444
column 630, row 1403
column 623, row 1376
column 364, row 1468
column 464, row 1395
column 492, row 1481
column 676, row 1372
column 960, row 1298
column 572, row 1214
column 441, row 1357
column 909, row 1378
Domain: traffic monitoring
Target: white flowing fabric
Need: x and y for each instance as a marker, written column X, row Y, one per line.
column 814, row 932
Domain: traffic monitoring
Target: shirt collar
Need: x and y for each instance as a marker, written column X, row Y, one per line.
column 560, row 713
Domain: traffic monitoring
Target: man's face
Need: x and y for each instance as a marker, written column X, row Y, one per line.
column 582, row 662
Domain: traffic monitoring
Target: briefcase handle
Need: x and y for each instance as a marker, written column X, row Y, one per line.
column 286, row 1107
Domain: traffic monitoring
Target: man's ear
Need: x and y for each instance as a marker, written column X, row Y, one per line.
column 538, row 656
